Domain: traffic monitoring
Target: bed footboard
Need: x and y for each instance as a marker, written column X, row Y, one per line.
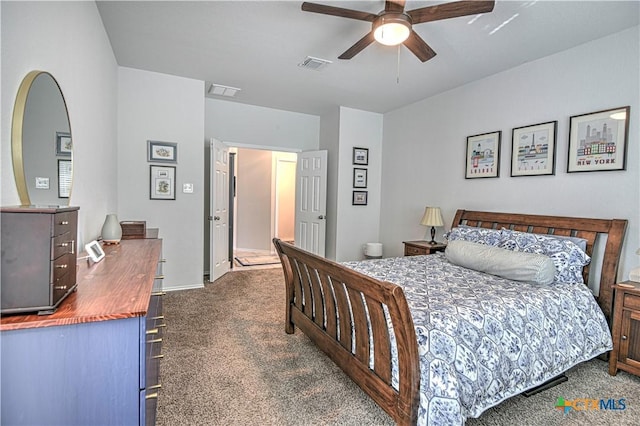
column 343, row 313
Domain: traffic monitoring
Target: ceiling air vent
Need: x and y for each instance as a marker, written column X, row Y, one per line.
column 315, row 64
column 220, row 90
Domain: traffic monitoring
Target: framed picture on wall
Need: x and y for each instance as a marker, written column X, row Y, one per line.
column 598, row 141
column 361, row 156
column 162, row 152
column 359, row 178
column 63, row 144
column 162, row 183
column 483, row 155
column 359, row 198
column 533, row 149
column 65, row 172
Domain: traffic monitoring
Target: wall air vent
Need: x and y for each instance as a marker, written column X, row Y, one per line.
column 220, row 90
column 315, row 64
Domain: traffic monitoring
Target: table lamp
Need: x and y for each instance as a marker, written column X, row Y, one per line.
column 432, row 217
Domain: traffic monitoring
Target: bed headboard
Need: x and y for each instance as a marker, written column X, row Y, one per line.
column 590, row 229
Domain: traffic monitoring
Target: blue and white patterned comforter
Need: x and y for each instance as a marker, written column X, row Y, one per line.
column 482, row 338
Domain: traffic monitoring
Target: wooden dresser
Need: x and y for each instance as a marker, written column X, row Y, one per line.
column 95, row 361
column 38, row 257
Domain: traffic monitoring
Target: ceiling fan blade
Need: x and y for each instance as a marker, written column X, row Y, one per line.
column 450, row 10
column 358, row 47
column 338, row 11
column 419, row 47
column 395, row 6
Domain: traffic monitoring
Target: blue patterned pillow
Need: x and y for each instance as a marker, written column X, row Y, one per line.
column 568, row 258
column 490, row 237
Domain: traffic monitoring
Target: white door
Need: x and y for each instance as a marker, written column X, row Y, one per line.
column 219, row 221
column 311, row 201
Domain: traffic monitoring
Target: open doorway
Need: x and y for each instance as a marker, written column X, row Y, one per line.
column 263, row 205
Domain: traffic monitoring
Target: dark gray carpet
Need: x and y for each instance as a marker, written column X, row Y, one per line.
column 228, row 361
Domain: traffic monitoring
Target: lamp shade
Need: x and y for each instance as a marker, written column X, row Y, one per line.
column 432, row 217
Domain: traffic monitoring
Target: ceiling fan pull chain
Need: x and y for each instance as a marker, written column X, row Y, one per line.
column 398, row 75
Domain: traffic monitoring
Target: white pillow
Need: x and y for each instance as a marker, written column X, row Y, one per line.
column 514, row 265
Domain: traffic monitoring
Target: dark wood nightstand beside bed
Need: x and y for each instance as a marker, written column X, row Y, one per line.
column 626, row 329
column 416, row 248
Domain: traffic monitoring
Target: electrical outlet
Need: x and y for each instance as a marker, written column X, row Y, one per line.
column 187, row 188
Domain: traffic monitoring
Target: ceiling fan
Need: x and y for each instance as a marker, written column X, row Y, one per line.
column 393, row 25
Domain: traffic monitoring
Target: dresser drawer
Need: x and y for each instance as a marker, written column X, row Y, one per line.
column 62, row 244
column 62, row 266
column 64, row 222
column 631, row 301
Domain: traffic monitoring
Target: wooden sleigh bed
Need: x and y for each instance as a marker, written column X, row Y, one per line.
column 365, row 325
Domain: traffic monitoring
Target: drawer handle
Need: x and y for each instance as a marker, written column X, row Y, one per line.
column 151, row 395
column 155, row 340
column 152, row 331
column 62, row 266
column 63, row 245
column 158, row 356
column 64, row 222
column 624, row 337
column 59, row 287
column 162, row 260
column 158, row 317
column 161, row 325
column 159, row 277
column 154, row 387
column 159, row 293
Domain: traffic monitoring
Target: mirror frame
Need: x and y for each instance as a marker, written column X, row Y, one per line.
column 17, row 124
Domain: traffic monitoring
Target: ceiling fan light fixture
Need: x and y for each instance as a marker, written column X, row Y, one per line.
column 391, row 31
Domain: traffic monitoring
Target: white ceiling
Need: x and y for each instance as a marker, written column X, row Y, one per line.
column 257, row 46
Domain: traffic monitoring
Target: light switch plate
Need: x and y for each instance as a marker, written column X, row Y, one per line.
column 187, row 188
column 42, row 183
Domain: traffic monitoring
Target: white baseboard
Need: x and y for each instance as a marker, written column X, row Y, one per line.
column 183, row 287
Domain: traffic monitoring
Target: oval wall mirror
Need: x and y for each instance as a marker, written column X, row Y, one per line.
column 41, row 144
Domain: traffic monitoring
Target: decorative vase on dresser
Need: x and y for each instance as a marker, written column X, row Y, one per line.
column 111, row 230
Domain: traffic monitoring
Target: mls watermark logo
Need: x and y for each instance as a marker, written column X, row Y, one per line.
column 590, row 404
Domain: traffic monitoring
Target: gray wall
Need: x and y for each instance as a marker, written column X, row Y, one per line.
column 173, row 114
column 424, row 144
column 253, row 126
column 330, row 140
column 68, row 40
column 358, row 224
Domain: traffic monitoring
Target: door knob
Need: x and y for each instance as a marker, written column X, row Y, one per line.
column 216, row 218
column 321, row 217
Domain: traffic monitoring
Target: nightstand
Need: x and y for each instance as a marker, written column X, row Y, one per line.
column 626, row 329
column 415, row 248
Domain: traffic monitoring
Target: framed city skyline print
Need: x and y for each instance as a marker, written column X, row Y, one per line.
column 483, row 155
column 534, row 149
column 598, row 141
